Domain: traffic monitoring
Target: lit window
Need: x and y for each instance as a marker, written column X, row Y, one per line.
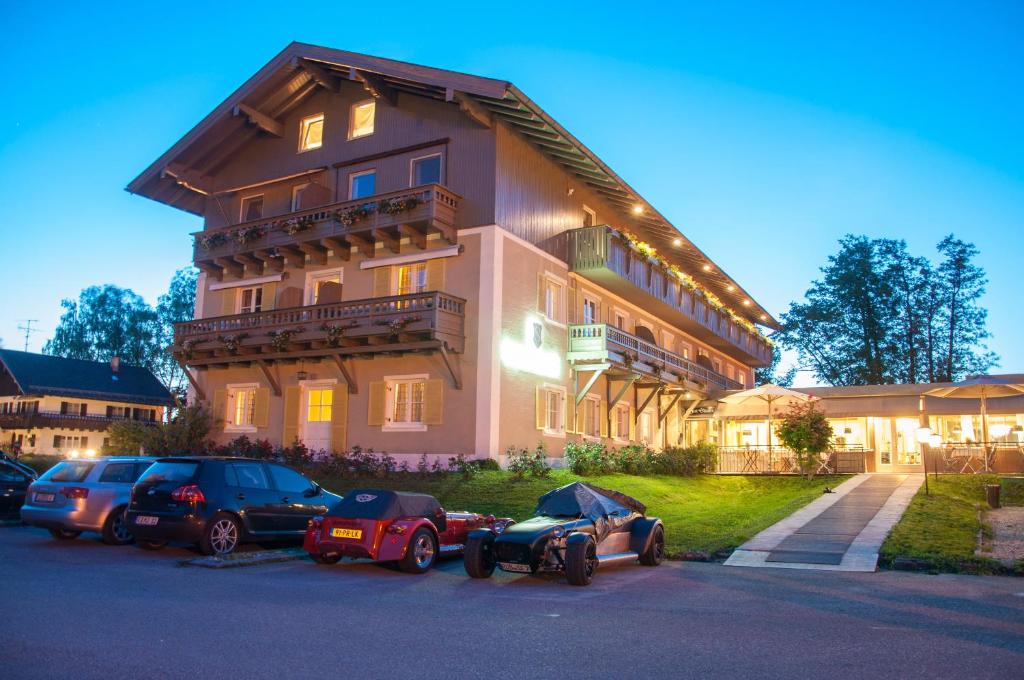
column 311, row 132
column 252, row 208
column 361, row 119
column 250, row 300
column 553, row 300
column 591, row 417
column 646, row 428
column 241, row 407
column 426, row 170
column 589, row 311
column 362, row 184
column 412, row 278
column 407, row 402
column 320, row 405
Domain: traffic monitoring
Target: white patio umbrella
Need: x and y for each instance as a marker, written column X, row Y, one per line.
column 980, row 387
column 769, row 394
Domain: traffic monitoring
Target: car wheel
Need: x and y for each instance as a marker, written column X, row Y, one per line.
column 152, row 545
column 478, row 557
column 115, row 529
column 222, row 536
column 421, row 553
column 326, row 559
column 655, row 552
column 65, row 534
column 581, row 562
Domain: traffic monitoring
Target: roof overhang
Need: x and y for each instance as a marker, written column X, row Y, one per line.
column 183, row 176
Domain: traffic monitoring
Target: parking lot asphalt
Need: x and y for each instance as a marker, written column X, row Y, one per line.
column 87, row 610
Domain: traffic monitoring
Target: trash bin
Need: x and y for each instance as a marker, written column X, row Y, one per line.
column 992, row 495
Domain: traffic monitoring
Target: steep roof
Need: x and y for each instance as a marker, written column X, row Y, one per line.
column 178, row 177
column 45, row 375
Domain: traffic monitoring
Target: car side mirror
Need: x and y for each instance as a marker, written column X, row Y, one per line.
column 312, row 491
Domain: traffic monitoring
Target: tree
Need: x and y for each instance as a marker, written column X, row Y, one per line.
column 174, row 306
column 805, row 431
column 770, row 373
column 881, row 315
column 184, row 434
column 106, row 321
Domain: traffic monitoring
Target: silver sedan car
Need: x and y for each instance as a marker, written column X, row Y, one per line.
column 88, row 494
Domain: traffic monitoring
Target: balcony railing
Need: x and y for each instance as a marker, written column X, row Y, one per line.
column 338, row 227
column 38, row 419
column 601, row 342
column 776, row 460
column 603, row 256
column 422, row 321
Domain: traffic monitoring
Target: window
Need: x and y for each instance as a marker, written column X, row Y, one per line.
column 250, row 300
column 362, row 184
column 288, row 481
column 123, row 473
column 73, row 408
column 68, row 471
column 119, row 412
column 406, row 403
column 622, row 422
column 589, row 217
column 411, row 278
column 311, row 132
column 8, row 474
column 320, row 404
column 592, row 417
column 718, row 366
column 252, row 208
column 297, row 196
column 741, row 378
column 621, row 320
column 177, row 471
column 246, row 476
column 552, row 299
column 426, row 170
column 589, row 311
column 241, row 407
column 645, row 428
column 554, row 410
column 68, row 443
column 360, row 119
column 323, row 287
column 685, row 351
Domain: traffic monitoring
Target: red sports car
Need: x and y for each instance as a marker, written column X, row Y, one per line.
column 411, row 529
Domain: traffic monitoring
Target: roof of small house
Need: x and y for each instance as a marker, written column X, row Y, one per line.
column 29, row 374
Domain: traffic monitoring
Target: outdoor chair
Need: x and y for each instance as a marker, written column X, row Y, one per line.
column 825, row 464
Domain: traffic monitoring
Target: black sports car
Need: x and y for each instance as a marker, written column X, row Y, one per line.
column 577, row 528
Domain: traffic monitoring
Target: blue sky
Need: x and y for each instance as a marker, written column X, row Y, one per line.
column 764, row 133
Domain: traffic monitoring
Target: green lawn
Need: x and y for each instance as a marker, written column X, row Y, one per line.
column 942, row 528
column 707, row 513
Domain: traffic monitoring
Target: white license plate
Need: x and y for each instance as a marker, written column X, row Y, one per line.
column 512, row 566
column 146, row 520
column 45, row 497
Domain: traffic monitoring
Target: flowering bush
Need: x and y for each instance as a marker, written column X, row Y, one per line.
column 231, row 342
column 522, row 462
column 280, row 340
column 295, row 225
column 349, row 216
column 335, row 332
column 396, row 324
column 211, row 241
column 396, row 206
column 246, row 235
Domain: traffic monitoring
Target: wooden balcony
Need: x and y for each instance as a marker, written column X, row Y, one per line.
column 55, row 419
column 311, row 235
column 601, row 343
column 423, row 322
column 601, row 255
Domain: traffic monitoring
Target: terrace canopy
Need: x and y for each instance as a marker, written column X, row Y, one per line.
column 769, row 394
column 980, row 387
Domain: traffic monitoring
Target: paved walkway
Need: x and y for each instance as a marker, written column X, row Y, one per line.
column 841, row 531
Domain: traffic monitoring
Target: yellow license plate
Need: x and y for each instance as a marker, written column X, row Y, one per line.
column 347, row 533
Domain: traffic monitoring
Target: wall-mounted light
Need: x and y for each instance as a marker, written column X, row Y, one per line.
column 677, row 242
column 746, row 303
column 730, row 288
column 638, row 209
column 706, row 267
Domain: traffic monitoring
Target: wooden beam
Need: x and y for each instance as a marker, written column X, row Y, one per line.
column 365, row 245
column 477, row 113
column 317, row 73
column 317, row 253
column 346, row 374
column 656, row 390
column 250, row 261
column 293, row 256
column 274, row 384
column 189, row 179
column 340, row 247
column 447, row 231
column 663, row 415
column 375, row 85
column 597, row 369
column 192, row 381
column 416, row 237
column 260, row 120
column 219, row 155
column 453, row 368
column 389, row 241
column 211, row 269
column 230, row 266
column 294, row 355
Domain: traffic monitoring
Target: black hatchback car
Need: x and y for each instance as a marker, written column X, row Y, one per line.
column 220, row 503
column 15, row 479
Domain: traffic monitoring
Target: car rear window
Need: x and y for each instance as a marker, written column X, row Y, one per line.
column 68, row 471
column 119, row 472
column 177, row 471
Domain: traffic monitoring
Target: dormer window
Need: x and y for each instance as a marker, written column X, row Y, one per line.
column 360, row 119
column 311, row 132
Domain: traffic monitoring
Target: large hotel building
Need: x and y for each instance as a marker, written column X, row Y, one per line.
column 421, row 261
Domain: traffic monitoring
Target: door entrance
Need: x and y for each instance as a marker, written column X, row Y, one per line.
column 317, row 412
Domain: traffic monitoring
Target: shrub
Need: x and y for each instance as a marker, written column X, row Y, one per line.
column 634, row 459
column 688, row 460
column 587, row 458
column 486, row 464
column 807, row 433
column 185, row 434
column 522, row 462
column 459, row 464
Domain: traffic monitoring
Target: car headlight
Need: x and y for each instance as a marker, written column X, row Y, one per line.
column 558, row 531
column 498, row 528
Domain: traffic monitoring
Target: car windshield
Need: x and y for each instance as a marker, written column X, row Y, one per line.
column 175, row 471
column 68, row 471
